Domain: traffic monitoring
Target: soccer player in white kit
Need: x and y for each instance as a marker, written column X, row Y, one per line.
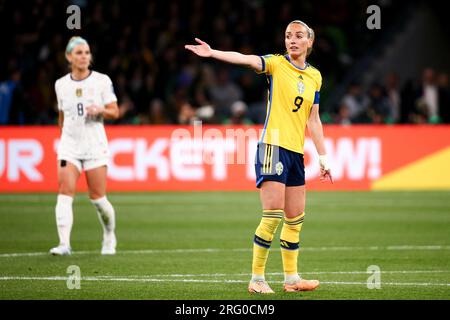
column 85, row 98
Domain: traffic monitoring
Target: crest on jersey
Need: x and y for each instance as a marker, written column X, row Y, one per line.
column 279, row 168
column 300, row 87
column 79, row 92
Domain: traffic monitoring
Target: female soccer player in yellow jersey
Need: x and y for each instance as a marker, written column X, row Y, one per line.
column 85, row 98
column 293, row 105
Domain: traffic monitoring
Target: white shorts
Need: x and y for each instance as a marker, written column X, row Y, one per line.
column 85, row 164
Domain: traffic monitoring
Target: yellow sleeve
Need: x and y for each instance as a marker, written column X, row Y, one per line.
column 318, row 78
column 319, row 81
column 269, row 63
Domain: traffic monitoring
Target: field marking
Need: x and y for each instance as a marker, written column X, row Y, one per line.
column 282, row 274
column 125, row 279
column 214, row 250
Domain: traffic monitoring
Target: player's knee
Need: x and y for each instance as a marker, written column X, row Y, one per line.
column 66, row 189
column 96, row 194
column 273, row 202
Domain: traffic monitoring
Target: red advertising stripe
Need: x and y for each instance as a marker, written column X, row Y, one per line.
column 150, row 158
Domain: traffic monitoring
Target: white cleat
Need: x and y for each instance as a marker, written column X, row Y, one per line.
column 259, row 286
column 61, row 251
column 109, row 245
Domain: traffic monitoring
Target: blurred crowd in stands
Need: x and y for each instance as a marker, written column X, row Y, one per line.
column 419, row 102
column 140, row 45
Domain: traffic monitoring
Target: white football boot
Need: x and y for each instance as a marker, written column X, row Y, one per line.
column 61, row 251
column 109, row 244
column 259, row 286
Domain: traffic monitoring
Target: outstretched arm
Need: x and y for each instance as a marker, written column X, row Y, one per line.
column 316, row 131
column 204, row 50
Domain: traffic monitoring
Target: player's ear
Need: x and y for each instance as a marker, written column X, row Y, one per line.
column 69, row 57
column 310, row 41
column 311, row 37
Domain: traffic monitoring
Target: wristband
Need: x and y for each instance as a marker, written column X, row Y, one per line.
column 323, row 162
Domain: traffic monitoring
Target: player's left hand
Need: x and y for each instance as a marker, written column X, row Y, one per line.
column 325, row 171
column 94, row 110
column 326, row 175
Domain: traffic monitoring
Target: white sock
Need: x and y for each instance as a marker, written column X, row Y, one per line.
column 106, row 215
column 64, row 218
column 291, row 278
column 258, row 277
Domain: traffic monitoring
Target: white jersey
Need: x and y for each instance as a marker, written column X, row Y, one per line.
column 83, row 137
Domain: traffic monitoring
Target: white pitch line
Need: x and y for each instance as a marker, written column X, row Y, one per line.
column 117, row 279
column 214, row 250
column 281, row 274
column 56, row 278
column 25, row 254
column 413, row 284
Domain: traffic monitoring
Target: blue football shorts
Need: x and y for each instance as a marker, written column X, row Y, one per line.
column 274, row 163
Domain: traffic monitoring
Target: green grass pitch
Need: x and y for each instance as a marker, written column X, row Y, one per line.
column 198, row 246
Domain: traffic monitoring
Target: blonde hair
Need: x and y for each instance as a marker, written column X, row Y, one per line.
column 74, row 41
column 310, row 31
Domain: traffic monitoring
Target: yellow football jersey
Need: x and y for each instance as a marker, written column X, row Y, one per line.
column 292, row 93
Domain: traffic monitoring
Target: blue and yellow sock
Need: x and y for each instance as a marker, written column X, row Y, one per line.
column 263, row 239
column 289, row 241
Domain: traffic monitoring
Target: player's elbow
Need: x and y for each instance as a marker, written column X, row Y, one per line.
column 116, row 114
column 254, row 62
column 313, row 122
column 314, row 126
